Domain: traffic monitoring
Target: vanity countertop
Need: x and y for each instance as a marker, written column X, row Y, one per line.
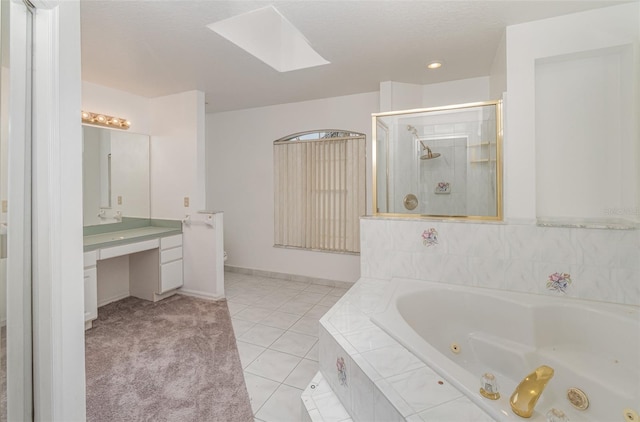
column 122, row 236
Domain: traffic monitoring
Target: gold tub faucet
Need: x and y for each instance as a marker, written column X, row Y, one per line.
column 526, row 395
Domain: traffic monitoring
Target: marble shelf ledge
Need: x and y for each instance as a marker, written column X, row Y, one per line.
column 373, row 376
column 608, row 224
column 419, row 217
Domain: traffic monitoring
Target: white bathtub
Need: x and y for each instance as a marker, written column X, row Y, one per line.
column 591, row 345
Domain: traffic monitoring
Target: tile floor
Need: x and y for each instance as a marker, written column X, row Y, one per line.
column 276, row 325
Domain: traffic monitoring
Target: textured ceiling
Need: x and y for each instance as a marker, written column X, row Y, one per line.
column 154, row 48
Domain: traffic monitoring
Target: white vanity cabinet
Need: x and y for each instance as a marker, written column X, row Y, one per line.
column 170, row 263
column 155, row 270
column 90, row 288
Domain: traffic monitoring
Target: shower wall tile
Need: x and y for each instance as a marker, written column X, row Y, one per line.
column 519, row 275
column 488, row 272
column 362, row 392
column 488, row 241
column 461, row 238
column 456, row 270
column 604, row 264
column 522, row 242
column 557, row 245
column 595, row 283
column 628, row 250
column 594, row 246
column 329, row 353
column 394, row 397
column 383, row 411
column 428, row 266
column 628, row 282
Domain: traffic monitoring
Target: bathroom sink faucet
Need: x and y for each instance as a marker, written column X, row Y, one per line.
column 526, row 395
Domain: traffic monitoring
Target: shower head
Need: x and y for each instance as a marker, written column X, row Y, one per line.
column 412, row 130
column 430, row 154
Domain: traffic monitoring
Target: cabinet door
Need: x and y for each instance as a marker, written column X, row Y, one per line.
column 170, row 276
column 90, row 294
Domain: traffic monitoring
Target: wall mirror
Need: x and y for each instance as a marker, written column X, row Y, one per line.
column 439, row 162
column 115, row 175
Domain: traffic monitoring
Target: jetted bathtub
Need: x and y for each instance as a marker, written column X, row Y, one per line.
column 464, row 332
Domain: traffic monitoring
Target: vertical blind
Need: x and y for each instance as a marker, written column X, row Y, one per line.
column 320, row 193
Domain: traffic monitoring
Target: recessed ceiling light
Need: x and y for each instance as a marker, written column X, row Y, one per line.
column 270, row 37
column 434, row 65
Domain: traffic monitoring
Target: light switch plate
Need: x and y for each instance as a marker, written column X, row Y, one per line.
column 186, row 201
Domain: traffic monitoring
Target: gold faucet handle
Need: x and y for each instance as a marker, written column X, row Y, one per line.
column 526, row 395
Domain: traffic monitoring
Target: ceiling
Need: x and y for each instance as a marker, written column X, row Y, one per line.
column 162, row 47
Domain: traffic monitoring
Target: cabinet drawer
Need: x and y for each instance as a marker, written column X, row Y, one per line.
column 171, row 241
column 170, row 276
column 128, row 249
column 90, row 258
column 90, row 294
column 170, row 255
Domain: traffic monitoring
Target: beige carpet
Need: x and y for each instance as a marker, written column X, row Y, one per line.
column 3, row 374
column 174, row 360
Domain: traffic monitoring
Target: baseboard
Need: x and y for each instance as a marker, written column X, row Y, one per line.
column 113, row 299
column 289, row 277
column 199, row 295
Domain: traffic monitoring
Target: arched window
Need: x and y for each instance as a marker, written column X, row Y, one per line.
column 319, row 184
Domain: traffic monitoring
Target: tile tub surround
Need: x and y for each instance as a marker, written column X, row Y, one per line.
column 604, row 264
column 381, row 380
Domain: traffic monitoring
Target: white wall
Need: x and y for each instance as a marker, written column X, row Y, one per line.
column 456, row 92
column 498, row 74
column 130, row 174
column 583, row 112
column 396, row 96
column 240, row 179
column 580, row 32
column 177, row 143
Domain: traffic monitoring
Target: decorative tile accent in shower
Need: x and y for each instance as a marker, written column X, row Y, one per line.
column 443, row 187
column 430, row 237
column 559, row 282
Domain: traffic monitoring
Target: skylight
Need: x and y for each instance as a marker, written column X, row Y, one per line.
column 270, row 37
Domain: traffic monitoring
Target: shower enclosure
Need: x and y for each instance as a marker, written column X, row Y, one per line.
column 440, row 162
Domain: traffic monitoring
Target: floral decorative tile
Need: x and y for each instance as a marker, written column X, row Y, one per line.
column 430, row 237
column 559, row 282
column 443, row 187
column 342, row 371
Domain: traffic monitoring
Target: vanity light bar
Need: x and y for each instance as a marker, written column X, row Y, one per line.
column 104, row 120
